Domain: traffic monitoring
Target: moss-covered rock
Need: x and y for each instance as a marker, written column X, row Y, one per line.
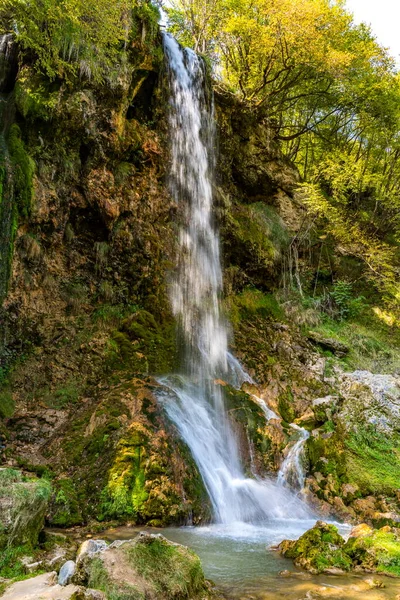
column 318, row 549
column 147, row 567
column 323, row 549
column 377, row 550
column 23, row 505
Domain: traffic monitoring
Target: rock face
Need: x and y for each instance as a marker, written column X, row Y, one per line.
column 148, row 566
column 23, row 505
column 323, row 550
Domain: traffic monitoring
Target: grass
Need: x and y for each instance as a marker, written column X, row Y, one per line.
column 174, row 571
column 373, row 346
column 373, row 461
column 99, row 580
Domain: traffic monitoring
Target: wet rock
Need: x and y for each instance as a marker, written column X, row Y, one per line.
column 90, row 548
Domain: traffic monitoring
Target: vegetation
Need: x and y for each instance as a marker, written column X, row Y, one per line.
column 174, row 571
column 330, row 95
column 84, row 38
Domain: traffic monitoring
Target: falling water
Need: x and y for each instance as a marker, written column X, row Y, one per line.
column 292, row 473
column 193, row 400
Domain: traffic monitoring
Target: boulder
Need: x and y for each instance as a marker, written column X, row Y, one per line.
column 319, row 550
column 67, row 573
column 23, row 504
column 323, row 550
column 149, row 566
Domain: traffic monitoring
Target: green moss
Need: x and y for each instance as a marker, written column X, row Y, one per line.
column 379, row 551
column 7, row 405
column 27, row 501
column 318, row 549
column 174, row 571
column 125, row 492
column 143, row 345
column 255, row 237
column 373, row 461
column 251, row 303
column 285, row 406
column 23, row 169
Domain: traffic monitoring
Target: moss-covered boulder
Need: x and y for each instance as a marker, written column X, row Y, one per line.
column 149, row 566
column 322, row 549
column 319, row 549
column 23, row 504
column 377, row 550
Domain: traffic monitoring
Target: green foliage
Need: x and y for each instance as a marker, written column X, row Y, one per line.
column 174, row 571
column 11, row 566
column 65, row 505
column 347, row 305
column 86, row 38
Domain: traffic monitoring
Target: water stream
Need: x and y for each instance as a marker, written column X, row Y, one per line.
column 192, row 399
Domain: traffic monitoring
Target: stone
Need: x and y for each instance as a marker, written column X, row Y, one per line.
column 121, row 566
column 23, row 505
column 349, row 492
column 67, row 573
column 42, row 587
column 360, row 530
column 328, row 344
column 90, row 548
column 94, row 595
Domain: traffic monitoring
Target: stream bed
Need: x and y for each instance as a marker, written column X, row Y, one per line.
column 241, row 561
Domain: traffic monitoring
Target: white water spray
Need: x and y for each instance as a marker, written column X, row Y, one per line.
column 292, row 473
column 194, row 401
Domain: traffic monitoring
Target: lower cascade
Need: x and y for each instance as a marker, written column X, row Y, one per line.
column 193, row 399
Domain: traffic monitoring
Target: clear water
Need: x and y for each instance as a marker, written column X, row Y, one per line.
column 242, row 563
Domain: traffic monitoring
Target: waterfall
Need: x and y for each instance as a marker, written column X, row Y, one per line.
column 291, row 473
column 193, row 399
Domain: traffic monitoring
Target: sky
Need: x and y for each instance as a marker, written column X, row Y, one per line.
column 384, row 18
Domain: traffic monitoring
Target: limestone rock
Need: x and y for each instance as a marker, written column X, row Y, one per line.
column 361, row 530
column 67, row 573
column 43, row 587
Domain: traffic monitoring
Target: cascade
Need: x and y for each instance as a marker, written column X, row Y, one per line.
column 193, row 399
column 291, row 473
